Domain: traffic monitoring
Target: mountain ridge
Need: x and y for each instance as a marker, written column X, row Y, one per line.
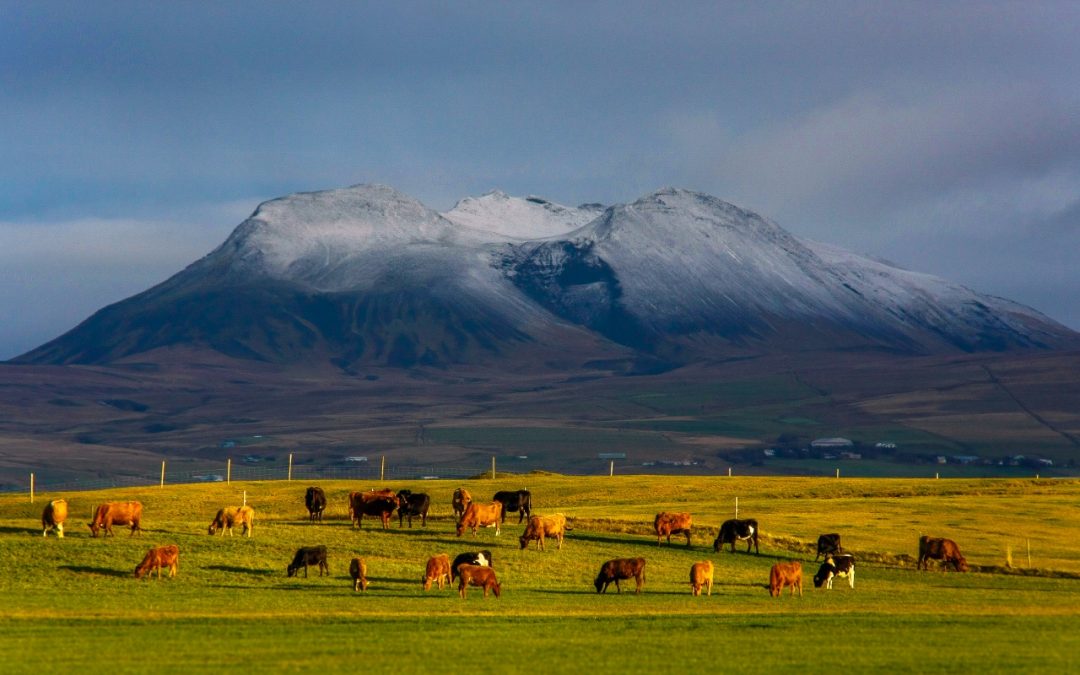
column 368, row 274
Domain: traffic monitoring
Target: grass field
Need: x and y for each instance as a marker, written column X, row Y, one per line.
column 73, row 604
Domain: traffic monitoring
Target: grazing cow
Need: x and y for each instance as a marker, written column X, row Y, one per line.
column 358, row 572
column 437, row 571
column 785, row 574
column 940, row 549
column 827, row 544
column 620, row 568
column 516, row 500
column 460, row 503
column 117, row 513
column 308, row 555
column 481, row 558
column 667, row 524
column 156, row 558
column 737, row 530
column 540, row 527
column 315, row 499
column 53, row 517
column 230, row 516
column 383, row 507
column 357, row 501
column 701, row 574
column 481, row 515
column 410, row 505
column 833, row 567
column 475, row 575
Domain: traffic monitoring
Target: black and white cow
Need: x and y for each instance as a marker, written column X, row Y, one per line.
column 828, row 543
column 738, row 530
column 410, row 504
column 833, row 567
column 481, row 558
column 516, row 500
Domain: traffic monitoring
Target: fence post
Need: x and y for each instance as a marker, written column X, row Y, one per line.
column 838, row 473
column 162, row 474
column 493, row 467
column 736, row 507
column 31, row 488
column 611, row 472
column 729, row 472
column 228, row 471
column 290, row 466
column 245, row 497
column 382, row 468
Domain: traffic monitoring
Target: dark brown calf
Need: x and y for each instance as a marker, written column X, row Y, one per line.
column 621, row 568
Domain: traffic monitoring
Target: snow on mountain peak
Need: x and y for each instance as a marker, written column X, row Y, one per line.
column 520, row 218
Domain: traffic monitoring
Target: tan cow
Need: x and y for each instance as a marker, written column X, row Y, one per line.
column 230, row 516
column 785, row 574
column 461, row 501
column 667, row 524
column 701, row 574
column 53, row 517
column 481, row 515
column 156, row 558
column 540, row 527
column 117, row 513
column 476, row 575
column 358, row 572
column 437, row 571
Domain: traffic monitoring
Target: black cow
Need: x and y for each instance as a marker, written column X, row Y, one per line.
column 828, row 543
column 520, row 500
column 737, row 530
column 481, row 558
column 315, row 499
column 309, row 555
column 835, row 566
column 410, row 505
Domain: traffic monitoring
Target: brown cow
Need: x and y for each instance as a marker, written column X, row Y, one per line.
column 358, row 572
column 53, row 517
column 230, row 516
column 481, row 515
column 540, row 527
column 940, row 549
column 360, row 505
column 156, row 558
column 461, row 501
column 667, row 524
column 437, row 571
column 476, row 575
column 701, row 574
column 117, row 513
column 383, row 507
column 785, row 574
column 621, row 568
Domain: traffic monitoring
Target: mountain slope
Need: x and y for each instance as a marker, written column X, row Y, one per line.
column 368, row 275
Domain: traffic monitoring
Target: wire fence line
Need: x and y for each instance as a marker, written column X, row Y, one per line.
column 217, row 473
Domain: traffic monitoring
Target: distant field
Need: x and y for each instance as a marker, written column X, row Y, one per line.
column 73, row 604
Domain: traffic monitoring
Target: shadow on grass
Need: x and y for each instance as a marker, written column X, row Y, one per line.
column 232, row 569
column 99, row 571
column 21, row 530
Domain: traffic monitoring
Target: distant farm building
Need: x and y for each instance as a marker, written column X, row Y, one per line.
column 832, row 444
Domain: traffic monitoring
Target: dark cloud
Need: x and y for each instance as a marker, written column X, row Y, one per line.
column 852, row 123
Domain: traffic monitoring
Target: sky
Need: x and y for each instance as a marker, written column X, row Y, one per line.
column 134, row 136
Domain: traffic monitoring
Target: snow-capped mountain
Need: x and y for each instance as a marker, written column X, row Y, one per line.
column 528, row 218
column 370, row 275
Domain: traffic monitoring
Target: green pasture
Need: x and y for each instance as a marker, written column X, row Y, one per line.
column 74, row 603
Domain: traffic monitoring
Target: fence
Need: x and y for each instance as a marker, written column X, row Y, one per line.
column 238, row 471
